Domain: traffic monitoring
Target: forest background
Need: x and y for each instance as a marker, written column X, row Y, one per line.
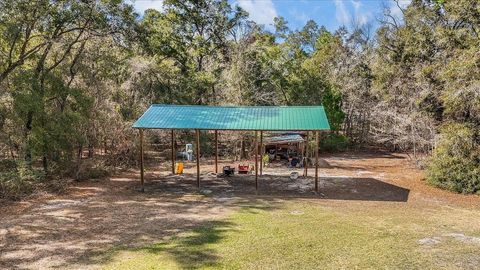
column 74, row 75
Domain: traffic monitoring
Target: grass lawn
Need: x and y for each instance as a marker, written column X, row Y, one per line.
column 374, row 212
column 308, row 234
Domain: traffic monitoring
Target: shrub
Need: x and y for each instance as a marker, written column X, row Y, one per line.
column 455, row 164
column 332, row 142
column 19, row 181
column 86, row 173
column 7, row 165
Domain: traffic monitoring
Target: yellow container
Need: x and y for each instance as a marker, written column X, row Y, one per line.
column 179, row 168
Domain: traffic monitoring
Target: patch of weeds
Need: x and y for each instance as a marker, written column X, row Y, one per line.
column 19, row 181
column 189, row 250
column 272, row 234
column 90, row 170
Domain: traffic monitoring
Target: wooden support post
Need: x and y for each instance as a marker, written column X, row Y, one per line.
column 276, row 152
column 317, row 144
column 173, row 153
column 216, row 151
column 256, row 161
column 141, row 160
column 198, row 157
column 261, row 152
column 305, row 159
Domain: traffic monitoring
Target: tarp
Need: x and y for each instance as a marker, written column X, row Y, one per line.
column 288, row 138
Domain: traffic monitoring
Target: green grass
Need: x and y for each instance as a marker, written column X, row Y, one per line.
column 346, row 235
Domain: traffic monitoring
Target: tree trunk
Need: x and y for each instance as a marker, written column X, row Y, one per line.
column 28, row 129
column 90, row 150
column 243, row 154
column 80, row 150
column 45, row 163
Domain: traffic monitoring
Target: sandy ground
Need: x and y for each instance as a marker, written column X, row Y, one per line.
column 74, row 230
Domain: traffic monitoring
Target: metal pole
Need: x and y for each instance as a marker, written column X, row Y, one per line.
column 261, row 152
column 216, row 151
column 198, row 157
column 316, row 159
column 141, row 160
column 173, row 153
column 256, row 161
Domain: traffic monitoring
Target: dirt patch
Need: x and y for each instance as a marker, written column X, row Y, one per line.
column 464, row 238
column 461, row 237
column 71, row 232
column 430, row 241
column 76, row 229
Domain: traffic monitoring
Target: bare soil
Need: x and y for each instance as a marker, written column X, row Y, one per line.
column 75, row 229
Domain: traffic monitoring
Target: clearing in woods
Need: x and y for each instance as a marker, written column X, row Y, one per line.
column 374, row 211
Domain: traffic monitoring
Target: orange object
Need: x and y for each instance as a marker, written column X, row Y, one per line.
column 179, row 168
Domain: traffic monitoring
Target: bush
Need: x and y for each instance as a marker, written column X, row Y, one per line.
column 455, row 164
column 19, row 181
column 7, row 165
column 93, row 172
column 332, row 142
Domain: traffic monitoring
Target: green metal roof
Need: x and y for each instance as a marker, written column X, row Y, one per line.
column 160, row 116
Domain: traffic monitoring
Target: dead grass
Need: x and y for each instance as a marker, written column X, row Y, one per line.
column 374, row 211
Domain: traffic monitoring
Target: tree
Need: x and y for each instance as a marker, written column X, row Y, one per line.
column 52, row 36
column 194, row 34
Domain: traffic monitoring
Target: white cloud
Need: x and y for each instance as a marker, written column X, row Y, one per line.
column 260, row 11
column 341, row 13
column 351, row 13
column 142, row 5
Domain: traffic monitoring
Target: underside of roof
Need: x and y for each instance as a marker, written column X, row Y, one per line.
column 288, row 118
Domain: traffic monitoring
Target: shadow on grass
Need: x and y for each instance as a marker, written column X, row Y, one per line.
column 194, row 249
column 189, row 249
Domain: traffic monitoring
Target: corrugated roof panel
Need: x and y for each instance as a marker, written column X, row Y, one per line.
column 234, row 118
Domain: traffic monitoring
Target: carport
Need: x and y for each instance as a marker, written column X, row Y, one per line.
column 232, row 118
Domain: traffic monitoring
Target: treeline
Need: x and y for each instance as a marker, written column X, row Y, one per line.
column 74, row 75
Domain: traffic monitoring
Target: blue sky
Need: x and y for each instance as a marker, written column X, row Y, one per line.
column 330, row 13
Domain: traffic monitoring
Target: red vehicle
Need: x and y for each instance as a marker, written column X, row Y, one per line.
column 243, row 169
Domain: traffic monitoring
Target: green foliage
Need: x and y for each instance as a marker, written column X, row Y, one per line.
column 19, row 180
column 455, row 164
column 333, row 142
column 426, row 74
column 313, row 81
column 45, row 71
column 75, row 75
column 332, row 101
column 191, row 34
